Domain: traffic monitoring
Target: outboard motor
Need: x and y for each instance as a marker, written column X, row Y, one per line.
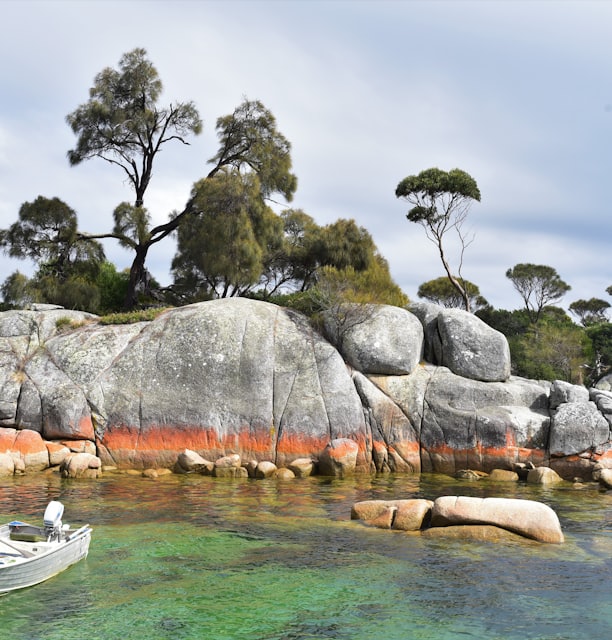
column 53, row 520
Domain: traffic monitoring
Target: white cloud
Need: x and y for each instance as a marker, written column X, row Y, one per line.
column 367, row 92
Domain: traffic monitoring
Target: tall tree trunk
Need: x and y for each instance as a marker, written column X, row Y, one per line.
column 138, row 277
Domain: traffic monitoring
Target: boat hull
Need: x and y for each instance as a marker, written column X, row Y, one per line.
column 19, row 572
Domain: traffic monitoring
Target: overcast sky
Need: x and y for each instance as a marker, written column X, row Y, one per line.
column 516, row 93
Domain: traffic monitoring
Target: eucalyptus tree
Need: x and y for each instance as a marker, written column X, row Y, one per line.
column 222, row 250
column 441, row 201
column 589, row 312
column 67, row 264
column 441, row 291
column 123, row 125
column 46, row 233
column 293, row 265
column 538, row 286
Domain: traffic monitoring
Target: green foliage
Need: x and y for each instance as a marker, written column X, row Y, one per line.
column 249, row 138
column 123, row 124
column 538, row 285
column 347, row 297
column 65, row 324
column 441, row 291
column 589, row 312
column 112, row 286
column 301, row 301
column 436, row 193
column 130, row 317
column 132, row 225
column 67, row 262
column 72, row 293
column 600, row 335
column 551, row 351
column 441, row 201
column 293, row 264
column 343, row 245
column 510, row 323
column 306, row 248
column 17, row 292
column 222, row 248
column 46, row 233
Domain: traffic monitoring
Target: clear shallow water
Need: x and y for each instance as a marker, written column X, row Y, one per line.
column 189, row 557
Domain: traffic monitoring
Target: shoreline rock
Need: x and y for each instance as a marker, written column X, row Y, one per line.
column 245, row 377
column 462, row 516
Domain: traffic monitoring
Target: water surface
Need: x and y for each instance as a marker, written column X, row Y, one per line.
column 191, row 557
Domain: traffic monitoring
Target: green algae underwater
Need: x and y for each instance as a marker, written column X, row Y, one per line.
column 191, row 557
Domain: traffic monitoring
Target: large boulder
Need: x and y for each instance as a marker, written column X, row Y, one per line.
column 238, row 376
column 26, row 446
column 577, row 427
column 472, row 349
column 427, row 313
column 377, row 339
column 227, row 376
column 562, row 392
column 603, row 400
column 526, row 517
column 469, row 424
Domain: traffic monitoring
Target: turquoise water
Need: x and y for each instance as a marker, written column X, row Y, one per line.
column 189, row 557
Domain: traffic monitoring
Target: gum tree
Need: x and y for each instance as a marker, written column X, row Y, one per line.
column 441, row 291
column 441, row 201
column 538, row 285
column 122, row 124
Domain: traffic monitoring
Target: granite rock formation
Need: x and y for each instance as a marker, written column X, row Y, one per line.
column 408, row 390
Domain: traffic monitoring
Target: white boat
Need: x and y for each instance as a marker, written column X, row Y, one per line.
column 30, row 554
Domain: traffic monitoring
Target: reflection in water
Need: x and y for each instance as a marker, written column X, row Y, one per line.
column 188, row 557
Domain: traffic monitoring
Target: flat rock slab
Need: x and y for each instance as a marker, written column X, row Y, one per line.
column 526, row 517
